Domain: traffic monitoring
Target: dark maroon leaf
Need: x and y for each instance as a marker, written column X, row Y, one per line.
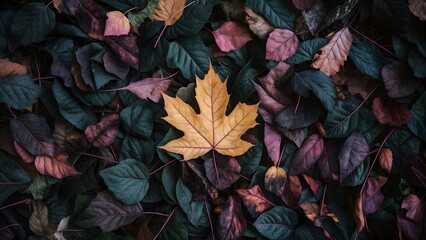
column 292, row 191
column 352, row 154
column 195, row 178
column 32, row 133
column 313, row 183
column 399, row 80
column 125, row 47
column 222, row 171
column 408, row 229
column 303, row 4
column 372, row 198
column 415, row 207
column 310, row 151
column 114, row 65
column 231, row 222
column 254, row 200
column 328, row 164
column 272, row 138
column 389, row 112
column 104, row 132
column 275, row 179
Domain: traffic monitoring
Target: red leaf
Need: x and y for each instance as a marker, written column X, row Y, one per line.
column 254, row 200
column 272, row 138
column 231, row 220
column 399, row 80
column 304, row 4
column 389, row 112
column 23, row 153
column 307, row 155
column 231, row 36
column 313, row 183
column 414, row 207
column 281, row 45
column 56, row 166
column 149, row 88
column 222, row 171
column 292, row 191
column 386, row 159
column 104, row 132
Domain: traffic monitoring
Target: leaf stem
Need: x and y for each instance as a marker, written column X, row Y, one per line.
column 129, row 10
column 323, row 199
column 156, row 214
column 297, row 105
column 96, row 156
column 373, row 42
column 11, row 112
column 8, row 226
column 165, row 223
column 26, row 201
column 165, row 165
column 210, row 219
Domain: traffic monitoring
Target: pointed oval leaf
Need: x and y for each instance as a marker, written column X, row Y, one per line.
column 169, row 11
column 19, row 91
column 272, row 139
column 231, row 220
column 386, row 159
column 231, row 36
column 222, row 171
column 389, row 112
column 149, row 88
column 281, row 45
column 307, row 155
column 39, row 221
column 117, row 24
column 104, row 132
column 109, row 213
column 137, row 120
column 399, row 80
column 277, row 223
column 275, row 179
column 352, row 154
column 292, row 192
column 33, row 133
column 128, row 181
column 33, row 23
column 254, row 200
column 334, row 53
column 12, row 177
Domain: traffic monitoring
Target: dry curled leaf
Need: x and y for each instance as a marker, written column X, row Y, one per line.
column 257, row 24
column 211, row 129
column 334, row 53
column 117, row 24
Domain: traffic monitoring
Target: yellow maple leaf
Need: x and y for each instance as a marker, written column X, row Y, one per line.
column 334, row 53
column 169, row 11
column 211, row 129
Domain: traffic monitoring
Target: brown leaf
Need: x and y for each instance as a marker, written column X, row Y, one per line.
column 303, row 4
column 414, row 206
column 39, row 222
column 8, row 68
column 57, row 4
column 399, row 80
column 386, row 159
column 272, row 139
column 169, row 11
column 149, row 88
column 23, row 153
column 312, row 211
column 56, row 166
column 334, row 53
column 104, row 132
column 234, row 10
column 257, row 24
column 418, row 8
column 117, row 24
column 281, row 45
column 275, row 179
column 389, row 112
column 292, row 191
column 231, row 222
column 222, row 171
column 254, row 200
column 231, row 36
column 310, row 151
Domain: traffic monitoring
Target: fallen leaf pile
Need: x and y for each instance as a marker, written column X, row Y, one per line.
column 212, row 119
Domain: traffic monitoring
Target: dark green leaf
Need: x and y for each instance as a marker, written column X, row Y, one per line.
column 152, row 56
column 33, row 23
column 12, row 178
column 368, row 59
column 19, row 91
column 275, row 11
column 137, row 17
column 137, row 120
column 128, row 180
column 139, row 149
column 306, row 50
column 193, row 210
column 417, row 124
column 277, row 223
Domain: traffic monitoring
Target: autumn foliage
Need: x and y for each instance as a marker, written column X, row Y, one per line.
column 212, row 119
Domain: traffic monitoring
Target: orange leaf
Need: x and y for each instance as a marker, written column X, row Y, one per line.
column 56, row 166
column 169, row 11
column 386, row 159
column 117, row 24
column 334, row 53
column 231, row 36
column 8, row 68
column 211, row 129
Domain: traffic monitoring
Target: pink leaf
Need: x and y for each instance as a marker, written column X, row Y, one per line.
column 117, row 24
column 281, row 44
column 56, row 166
column 414, row 207
column 149, row 88
column 231, row 36
column 272, row 139
column 23, row 153
column 104, row 132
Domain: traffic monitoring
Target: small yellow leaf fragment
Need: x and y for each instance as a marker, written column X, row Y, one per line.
column 117, row 24
column 169, row 11
column 211, row 129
